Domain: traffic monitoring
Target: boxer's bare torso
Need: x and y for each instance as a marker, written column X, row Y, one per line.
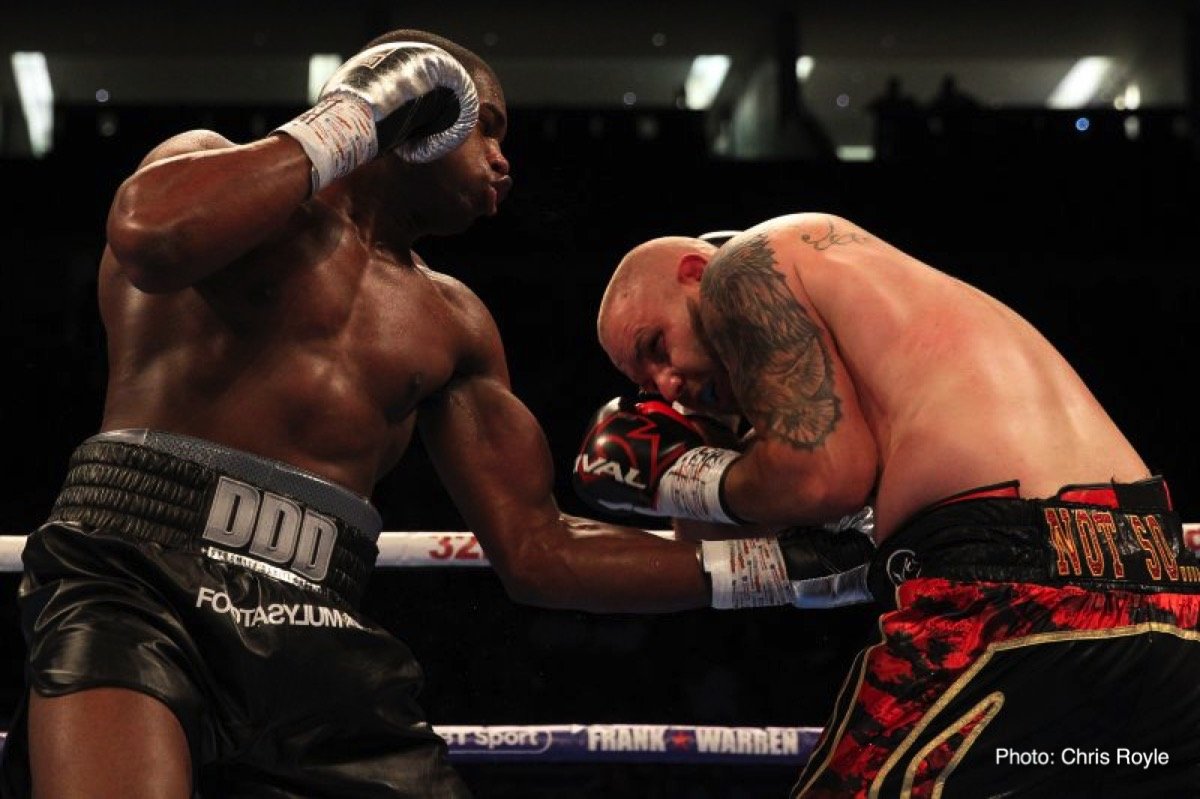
column 942, row 387
column 308, row 332
column 316, row 350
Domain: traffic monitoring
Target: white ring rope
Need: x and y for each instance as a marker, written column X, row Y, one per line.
column 396, row 550
column 427, row 548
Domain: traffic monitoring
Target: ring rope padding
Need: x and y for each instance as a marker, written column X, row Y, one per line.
column 625, row 743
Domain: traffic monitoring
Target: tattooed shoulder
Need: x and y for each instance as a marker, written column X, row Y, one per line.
column 779, row 362
column 831, row 236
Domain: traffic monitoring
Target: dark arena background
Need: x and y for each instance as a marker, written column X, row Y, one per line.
column 1075, row 204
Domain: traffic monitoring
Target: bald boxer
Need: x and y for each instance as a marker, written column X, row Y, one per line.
column 191, row 606
column 1045, row 616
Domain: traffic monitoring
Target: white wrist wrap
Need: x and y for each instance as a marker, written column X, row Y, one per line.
column 746, row 573
column 691, row 488
column 337, row 134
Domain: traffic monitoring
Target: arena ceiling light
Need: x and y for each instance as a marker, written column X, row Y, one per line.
column 856, row 152
column 704, row 80
column 321, row 67
column 1079, row 85
column 804, row 67
column 37, row 99
column 1130, row 99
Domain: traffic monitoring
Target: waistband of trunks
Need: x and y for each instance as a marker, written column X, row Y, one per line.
column 239, row 508
column 1108, row 536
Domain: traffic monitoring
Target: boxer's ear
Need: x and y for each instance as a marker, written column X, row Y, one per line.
column 691, row 268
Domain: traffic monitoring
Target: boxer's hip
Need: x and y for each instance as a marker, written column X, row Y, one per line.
column 226, row 586
column 1113, row 536
column 1068, row 626
column 184, row 494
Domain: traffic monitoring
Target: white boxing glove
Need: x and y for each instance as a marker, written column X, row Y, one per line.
column 410, row 97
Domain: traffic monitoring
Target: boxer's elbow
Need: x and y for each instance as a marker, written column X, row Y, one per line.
column 151, row 249
column 531, row 580
column 786, row 490
column 531, row 588
column 825, row 500
column 537, row 573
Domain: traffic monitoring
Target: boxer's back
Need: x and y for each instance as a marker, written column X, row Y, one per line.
column 313, row 350
column 958, row 389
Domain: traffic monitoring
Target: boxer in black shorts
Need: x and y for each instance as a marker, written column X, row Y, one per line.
column 263, row 305
column 226, row 586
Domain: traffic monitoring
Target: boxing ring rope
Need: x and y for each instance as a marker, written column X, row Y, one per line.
column 423, row 549
column 574, row 743
column 416, row 549
column 666, row 744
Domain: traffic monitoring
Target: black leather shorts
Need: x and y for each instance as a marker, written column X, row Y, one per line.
column 226, row 586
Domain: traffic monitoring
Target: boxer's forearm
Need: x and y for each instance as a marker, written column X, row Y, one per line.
column 771, row 485
column 178, row 220
column 495, row 462
column 581, row 564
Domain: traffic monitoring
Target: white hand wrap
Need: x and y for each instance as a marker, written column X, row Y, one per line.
column 337, row 134
column 746, row 573
column 691, row 488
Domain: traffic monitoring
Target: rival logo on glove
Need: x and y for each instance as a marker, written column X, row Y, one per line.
column 602, row 467
column 618, row 430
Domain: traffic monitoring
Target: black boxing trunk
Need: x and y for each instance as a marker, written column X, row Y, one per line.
column 1119, row 536
column 226, row 586
column 1036, row 648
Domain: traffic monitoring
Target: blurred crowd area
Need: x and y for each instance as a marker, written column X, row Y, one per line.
column 1086, row 232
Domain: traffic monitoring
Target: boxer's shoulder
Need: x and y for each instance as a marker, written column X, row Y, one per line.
column 459, row 299
column 190, row 141
column 462, row 314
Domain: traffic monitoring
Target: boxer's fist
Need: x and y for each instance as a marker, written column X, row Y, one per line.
column 409, row 97
column 819, row 551
column 808, row 567
column 422, row 100
column 629, row 446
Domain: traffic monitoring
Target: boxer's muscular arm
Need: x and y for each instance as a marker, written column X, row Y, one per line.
column 493, row 458
column 198, row 202
column 814, row 457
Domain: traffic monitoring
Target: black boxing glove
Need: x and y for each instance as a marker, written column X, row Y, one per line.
column 409, row 97
column 643, row 455
column 808, row 567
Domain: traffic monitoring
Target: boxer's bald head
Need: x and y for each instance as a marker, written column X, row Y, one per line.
column 654, row 272
column 649, row 320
